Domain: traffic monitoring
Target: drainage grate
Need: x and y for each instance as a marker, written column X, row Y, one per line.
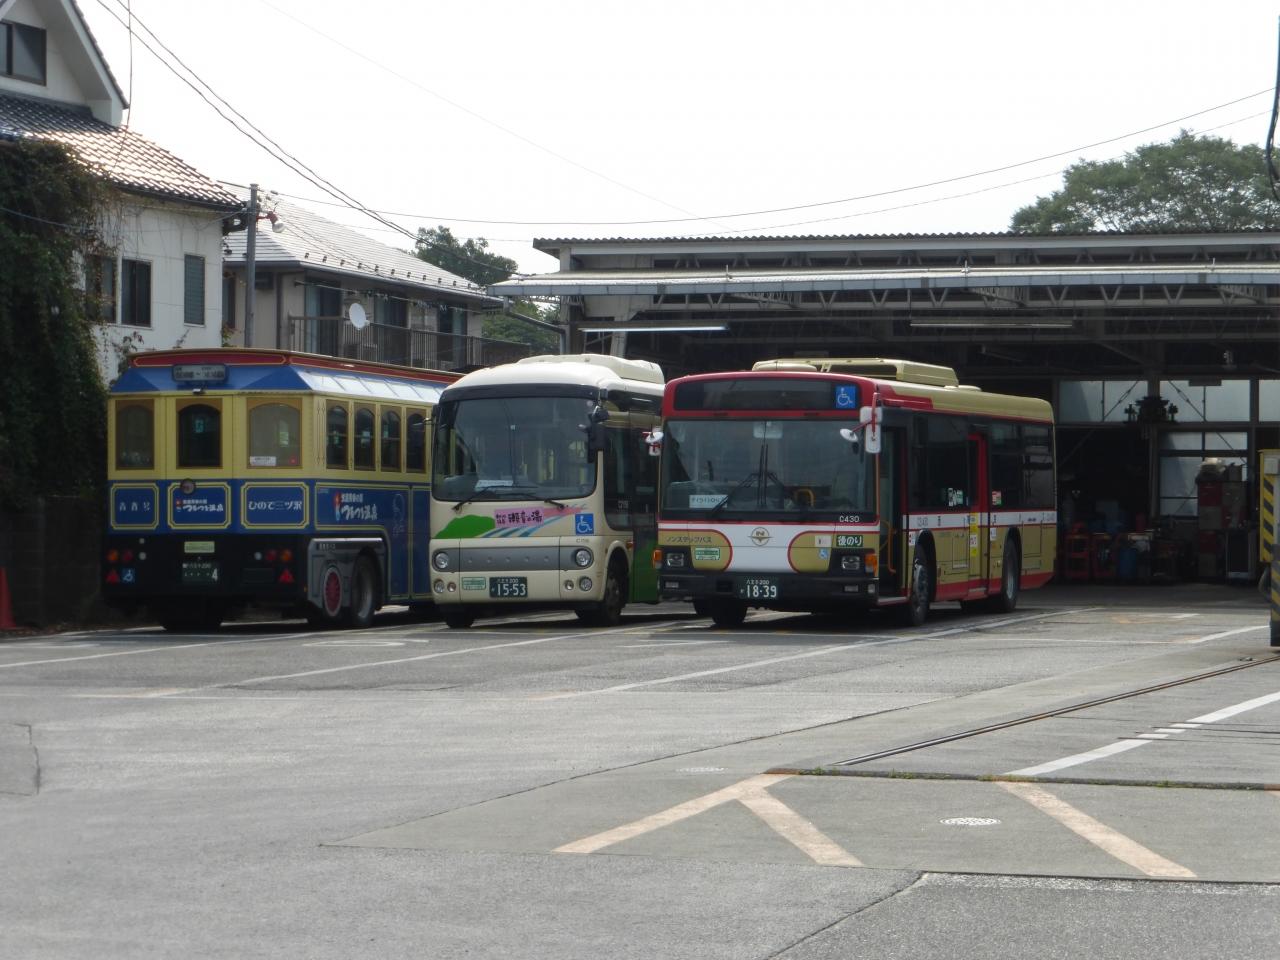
column 970, row 821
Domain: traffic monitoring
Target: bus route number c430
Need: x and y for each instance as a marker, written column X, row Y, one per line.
column 758, row 588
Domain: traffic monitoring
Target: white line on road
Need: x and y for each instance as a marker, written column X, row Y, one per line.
column 426, row 656
column 164, row 649
column 1120, row 746
column 1099, row 834
column 707, row 673
column 1128, row 743
column 1227, row 633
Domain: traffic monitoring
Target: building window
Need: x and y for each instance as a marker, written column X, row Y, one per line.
column 100, row 288
column 229, row 302
column 22, row 52
column 193, row 290
column 391, row 311
column 135, row 293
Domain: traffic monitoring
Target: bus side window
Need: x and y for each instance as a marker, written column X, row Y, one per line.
column 200, row 435
column 939, row 464
column 415, row 449
column 618, row 456
column 1038, row 465
column 135, row 436
column 335, row 447
column 1006, row 466
column 273, row 435
column 391, row 440
column 363, row 449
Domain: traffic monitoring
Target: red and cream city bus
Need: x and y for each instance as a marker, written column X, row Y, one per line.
column 819, row 484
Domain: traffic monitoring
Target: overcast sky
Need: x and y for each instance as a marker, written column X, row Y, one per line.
column 514, row 119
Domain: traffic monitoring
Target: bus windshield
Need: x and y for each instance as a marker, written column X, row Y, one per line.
column 512, row 448
column 745, row 467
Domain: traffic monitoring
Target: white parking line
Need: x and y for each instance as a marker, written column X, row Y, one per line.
column 1099, row 834
column 797, row 831
column 707, row 673
column 165, row 649
column 1128, row 743
column 1227, row 633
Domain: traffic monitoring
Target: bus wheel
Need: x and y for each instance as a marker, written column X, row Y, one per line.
column 608, row 612
column 364, row 594
column 921, row 586
column 1010, row 580
column 727, row 613
column 458, row 619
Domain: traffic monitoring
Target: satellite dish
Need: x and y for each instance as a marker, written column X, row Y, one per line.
column 359, row 319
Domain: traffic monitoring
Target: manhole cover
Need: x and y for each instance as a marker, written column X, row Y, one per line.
column 701, row 770
column 971, row 821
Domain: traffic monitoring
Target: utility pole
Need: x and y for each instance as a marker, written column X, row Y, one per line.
column 250, row 271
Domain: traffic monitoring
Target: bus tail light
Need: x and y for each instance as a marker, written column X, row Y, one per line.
column 286, row 576
column 113, row 577
column 113, row 555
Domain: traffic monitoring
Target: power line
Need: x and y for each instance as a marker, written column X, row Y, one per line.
column 807, row 206
column 467, row 110
column 287, row 159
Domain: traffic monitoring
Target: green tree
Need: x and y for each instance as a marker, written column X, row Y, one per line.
column 52, row 398
column 470, row 258
column 499, row 326
column 1190, row 183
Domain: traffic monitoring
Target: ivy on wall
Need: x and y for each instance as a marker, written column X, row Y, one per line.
column 52, row 398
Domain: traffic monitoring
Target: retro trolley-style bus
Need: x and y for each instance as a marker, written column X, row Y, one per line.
column 543, row 490
column 261, row 476
column 813, row 484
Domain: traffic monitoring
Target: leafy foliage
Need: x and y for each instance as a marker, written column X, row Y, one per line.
column 1190, row 183
column 502, row 327
column 470, row 258
column 52, row 398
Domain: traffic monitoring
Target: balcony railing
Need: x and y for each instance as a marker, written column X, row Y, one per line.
column 428, row 349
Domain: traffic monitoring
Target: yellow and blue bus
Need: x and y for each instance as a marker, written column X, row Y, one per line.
column 264, row 477
column 828, row 484
column 544, row 491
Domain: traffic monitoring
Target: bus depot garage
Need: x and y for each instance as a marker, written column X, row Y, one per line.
column 1160, row 354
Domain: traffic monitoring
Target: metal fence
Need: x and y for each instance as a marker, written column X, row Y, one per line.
column 428, row 349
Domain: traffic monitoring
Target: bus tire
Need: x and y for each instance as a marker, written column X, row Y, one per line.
column 608, row 612
column 727, row 613
column 919, row 588
column 1006, row 601
column 364, row 594
column 458, row 619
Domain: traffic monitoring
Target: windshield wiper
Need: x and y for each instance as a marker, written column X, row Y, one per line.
column 533, row 492
column 475, row 495
column 753, row 476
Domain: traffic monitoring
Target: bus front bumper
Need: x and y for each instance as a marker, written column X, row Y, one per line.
column 779, row 590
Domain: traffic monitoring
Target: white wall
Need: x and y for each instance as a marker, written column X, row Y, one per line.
column 162, row 235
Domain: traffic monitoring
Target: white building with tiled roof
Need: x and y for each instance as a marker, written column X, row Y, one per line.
column 310, row 272
column 160, row 284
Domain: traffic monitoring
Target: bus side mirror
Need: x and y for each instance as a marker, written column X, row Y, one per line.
column 653, row 440
column 595, row 430
column 871, row 417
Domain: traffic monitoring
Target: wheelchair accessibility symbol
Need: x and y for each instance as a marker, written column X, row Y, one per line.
column 846, row 397
column 584, row 523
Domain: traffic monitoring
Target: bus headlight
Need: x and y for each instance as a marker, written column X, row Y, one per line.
column 582, row 557
column 584, row 584
column 440, row 560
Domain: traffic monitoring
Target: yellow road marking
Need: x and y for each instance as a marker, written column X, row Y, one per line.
column 751, row 793
column 1099, row 834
